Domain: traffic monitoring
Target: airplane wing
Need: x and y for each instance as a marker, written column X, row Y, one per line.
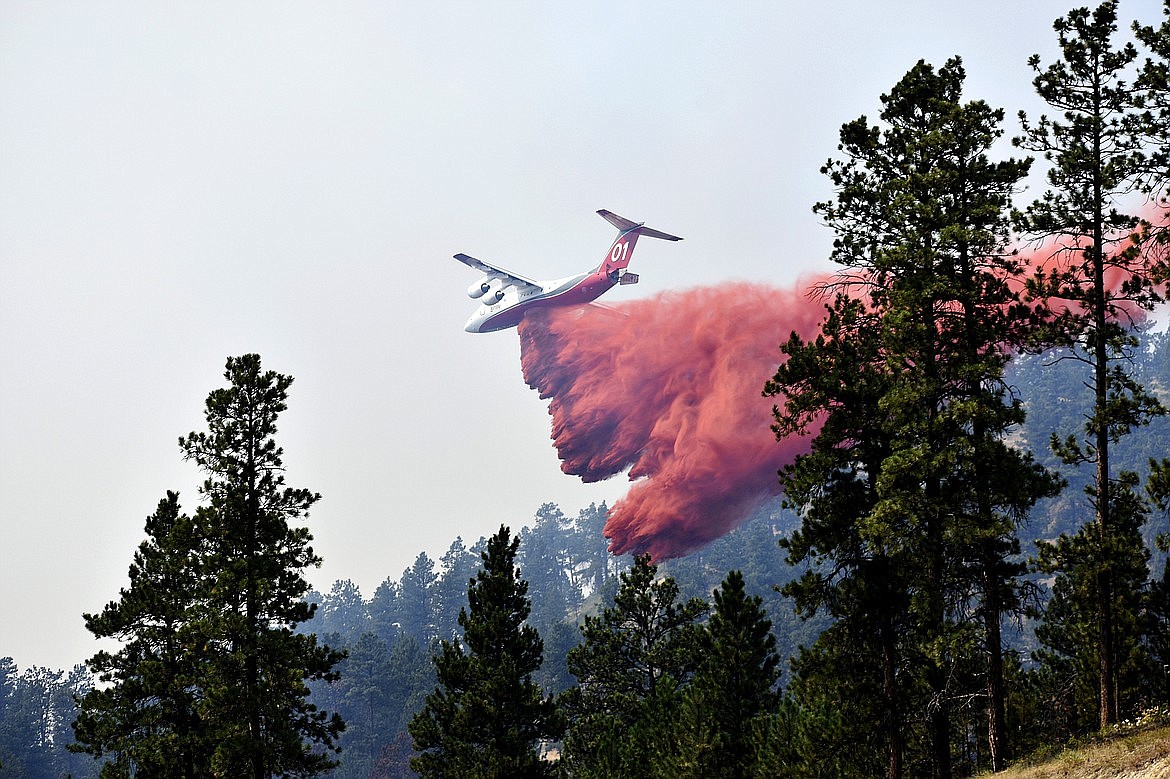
column 494, row 271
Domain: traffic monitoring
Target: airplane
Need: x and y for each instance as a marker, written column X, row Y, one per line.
column 505, row 297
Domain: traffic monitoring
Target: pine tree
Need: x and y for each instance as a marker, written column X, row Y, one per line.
column 1154, row 122
column 1097, row 278
column 1069, row 633
column 545, row 559
column 211, row 680
column 1158, row 492
column 631, row 666
column 417, row 594
column 459, row 567
column 251, row 560
column 591, row 548
column 857, row 575
column 343, row 613
column 735, row 683
column 384, row 609
column 910, row 487
column 147, row 711
column 486, row 717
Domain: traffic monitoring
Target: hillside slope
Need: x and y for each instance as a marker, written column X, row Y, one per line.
column 1140, row 755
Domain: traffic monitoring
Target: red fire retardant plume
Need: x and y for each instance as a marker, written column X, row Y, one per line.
column 670, row 387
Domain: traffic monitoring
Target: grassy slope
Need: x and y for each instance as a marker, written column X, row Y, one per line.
column 1141, row 755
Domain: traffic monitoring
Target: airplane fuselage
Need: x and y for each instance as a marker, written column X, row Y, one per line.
column 505, row 297
column 507, row 312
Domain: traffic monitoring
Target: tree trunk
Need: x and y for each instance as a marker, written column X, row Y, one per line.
column 894, row 746
column 992, row 608
column 1101, row 420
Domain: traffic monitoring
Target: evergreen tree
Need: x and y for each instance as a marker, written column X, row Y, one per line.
column 545, row 559
column 413, row 677
column 366, row 688
column 857, row 575
column 211, row 680
column 630, row 668
column 1154, row 123
column 36, row 709
column 416, row 599
column 594, row 563
column 1158, row 491
column 1097, row 278
column 1069, row 633
column 486, row 717
column 251, row 561
column 384, row 609
column 910, row 483
column 343, row 612
column 147, row 711
column 735, row 683
column 459, row 567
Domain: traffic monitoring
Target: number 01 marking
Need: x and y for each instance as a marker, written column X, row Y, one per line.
column 619, row 251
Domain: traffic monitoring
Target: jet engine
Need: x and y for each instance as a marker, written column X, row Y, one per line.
column 479, row 288
column 493, row 293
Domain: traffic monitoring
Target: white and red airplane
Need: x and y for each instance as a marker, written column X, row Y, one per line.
column 505, row 297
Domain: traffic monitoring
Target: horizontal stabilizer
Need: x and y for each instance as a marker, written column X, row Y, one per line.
column 623, row 224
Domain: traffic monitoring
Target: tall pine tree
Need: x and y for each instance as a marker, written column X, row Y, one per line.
column 735, row 685
column 147, row 712
column 212, row 678
column 634, row 659
column 1096, row 280
column 833, row 385
column 251, row 560
column 1154, row 122
column 487, row 718
column 918, row 494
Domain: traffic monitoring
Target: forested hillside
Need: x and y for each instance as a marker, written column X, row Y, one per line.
column 389, row 634
column 571, row 576
column 1057, row 400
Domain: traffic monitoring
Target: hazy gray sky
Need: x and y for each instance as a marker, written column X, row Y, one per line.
column 183, row 182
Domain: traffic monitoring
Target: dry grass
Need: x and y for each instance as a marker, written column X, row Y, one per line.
column 1140, row 755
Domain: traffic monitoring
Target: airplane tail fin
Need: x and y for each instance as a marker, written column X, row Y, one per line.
column 625, row 225
column 618, row 259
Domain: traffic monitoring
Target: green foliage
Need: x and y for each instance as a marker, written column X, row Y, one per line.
column 805, row 742
column 36, row 707
column 486, row 717
column 735, row 684
column 211, row 677
column 545, row 560
column 1154, row 82
column 752, row 549
column 148, row 711
column 459, row 567
column 342, row 613
column 1099, row 268
column 379, row 687
column 1069, row 634
column 634, row 659
column 416, row 600
column 911, row 495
